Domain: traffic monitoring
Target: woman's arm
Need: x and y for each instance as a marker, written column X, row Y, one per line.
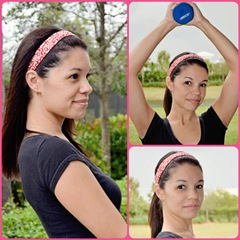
column 80, row 193
column 227, row 103
column 140, row 111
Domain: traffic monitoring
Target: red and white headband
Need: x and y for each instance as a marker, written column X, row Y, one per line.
column 180, row 59
column 46, row 47
column 166, row 161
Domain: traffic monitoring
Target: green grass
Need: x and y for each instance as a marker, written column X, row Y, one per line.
column 155, row 96
column 205, row 230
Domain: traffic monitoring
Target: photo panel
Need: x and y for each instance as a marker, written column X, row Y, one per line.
column 218, row 214
column 151, row 69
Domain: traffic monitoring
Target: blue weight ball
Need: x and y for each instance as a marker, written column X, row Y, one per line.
column 183, row 13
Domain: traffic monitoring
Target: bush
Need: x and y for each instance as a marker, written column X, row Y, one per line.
column 223, row 215
column 199, row 219
column 123, row 186
column 89, row 136
column 155, row 84
column 21, row 222
column 118, row 146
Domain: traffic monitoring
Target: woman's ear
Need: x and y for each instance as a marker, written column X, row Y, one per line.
column 159, row 192
column 169, row 83
column 33, row 81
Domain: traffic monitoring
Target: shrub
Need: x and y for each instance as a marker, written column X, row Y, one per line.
column 89, row 135
column 123, row 186
column 21, row 222
column 118, row 146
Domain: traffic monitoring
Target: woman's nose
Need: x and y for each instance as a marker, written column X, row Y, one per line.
column 86, row 87
column 193, row 194
column 196, row 91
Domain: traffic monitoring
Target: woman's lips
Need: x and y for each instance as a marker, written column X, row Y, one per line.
column 192, row 206
column 82, row 102
column 194, row 101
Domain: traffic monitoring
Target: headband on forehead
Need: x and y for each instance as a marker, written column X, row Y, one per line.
column 46, row 47
column 180, row 59
column 166, row 161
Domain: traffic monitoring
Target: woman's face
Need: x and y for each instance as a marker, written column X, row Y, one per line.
column 65, row 90
column 183, row 193
column 189, row 87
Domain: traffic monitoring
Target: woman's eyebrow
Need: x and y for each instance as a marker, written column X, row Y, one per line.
column 205, row 80
column 76, row 69
column 183, row 180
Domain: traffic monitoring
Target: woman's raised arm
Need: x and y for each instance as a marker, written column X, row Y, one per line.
column 226, row 104
column 140, row 111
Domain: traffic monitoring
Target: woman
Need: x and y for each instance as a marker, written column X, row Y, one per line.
column 178, row 195
column 186, row 88
column 48, row 89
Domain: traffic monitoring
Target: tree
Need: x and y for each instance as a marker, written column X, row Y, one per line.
column 163, row 60
column 138, row 206
column 219, row 199
column 106, row 58
column 221, row 69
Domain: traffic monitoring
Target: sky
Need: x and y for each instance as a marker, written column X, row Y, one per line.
column 220, row 165
column 143, row 17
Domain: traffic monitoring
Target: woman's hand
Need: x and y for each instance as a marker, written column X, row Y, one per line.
column 198, row 16
column 169, row 17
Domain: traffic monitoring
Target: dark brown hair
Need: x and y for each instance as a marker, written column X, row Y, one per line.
column 18, row 93
column 155, row 216
column 167, row 100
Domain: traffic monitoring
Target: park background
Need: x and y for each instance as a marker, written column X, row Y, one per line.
column 144, row 16
column 23, row 222
column 218, row 216
column 102, row 132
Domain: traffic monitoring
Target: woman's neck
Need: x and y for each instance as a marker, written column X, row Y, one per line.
column 178, row 225
column 40, row 121
column 182, row 116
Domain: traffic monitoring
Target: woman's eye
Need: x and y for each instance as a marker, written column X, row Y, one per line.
column 200, row 186
column 203, row 85
column 181, row 187
column 74, row 76
column 188, row 82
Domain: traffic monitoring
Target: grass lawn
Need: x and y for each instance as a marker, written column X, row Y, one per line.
column 205, row 230
column 155, row 95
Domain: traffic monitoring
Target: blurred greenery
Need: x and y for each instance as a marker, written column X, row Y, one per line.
column 89, row 136
column 123, row 186
column 21, row 222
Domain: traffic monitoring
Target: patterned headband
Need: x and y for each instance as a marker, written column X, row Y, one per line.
column 180, row 59
column 166, row 161
column 46, row 47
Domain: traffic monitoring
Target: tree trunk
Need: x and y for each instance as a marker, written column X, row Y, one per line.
column 104, row 89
